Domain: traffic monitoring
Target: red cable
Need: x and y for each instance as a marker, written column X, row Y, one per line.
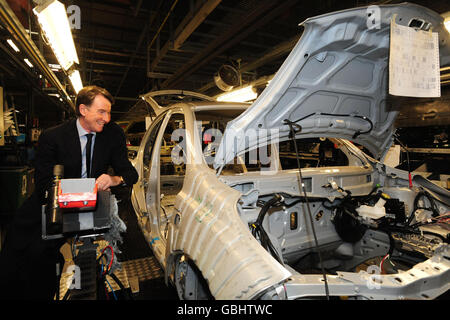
column 382, row 261
column 112, row 258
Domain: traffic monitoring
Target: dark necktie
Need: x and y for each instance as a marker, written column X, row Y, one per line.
column 88, row 154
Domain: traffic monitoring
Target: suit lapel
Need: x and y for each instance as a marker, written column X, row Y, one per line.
column 96, row 156
column 74, row 145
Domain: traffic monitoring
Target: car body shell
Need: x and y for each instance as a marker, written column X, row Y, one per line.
column 207, row 226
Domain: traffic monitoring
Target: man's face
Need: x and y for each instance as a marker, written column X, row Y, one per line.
column 95, row 116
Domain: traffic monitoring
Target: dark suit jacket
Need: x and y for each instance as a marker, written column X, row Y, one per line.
column 24, row 246
column 61, row 145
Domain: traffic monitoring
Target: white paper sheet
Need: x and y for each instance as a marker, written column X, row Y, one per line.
column 414, row 62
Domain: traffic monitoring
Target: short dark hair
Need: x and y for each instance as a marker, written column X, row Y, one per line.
column 87, row 95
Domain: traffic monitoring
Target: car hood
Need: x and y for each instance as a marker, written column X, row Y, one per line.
column 334, row 83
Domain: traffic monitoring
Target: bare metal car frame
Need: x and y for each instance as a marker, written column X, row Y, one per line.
column 209, row 249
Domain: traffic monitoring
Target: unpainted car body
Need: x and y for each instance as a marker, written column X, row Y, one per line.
column 224, row 231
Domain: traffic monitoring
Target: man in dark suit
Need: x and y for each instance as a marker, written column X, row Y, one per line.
column 86, row 147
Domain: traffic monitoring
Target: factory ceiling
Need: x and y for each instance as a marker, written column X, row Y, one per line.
column 132, row 47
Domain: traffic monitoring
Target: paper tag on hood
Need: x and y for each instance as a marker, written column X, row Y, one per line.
column 413, row 62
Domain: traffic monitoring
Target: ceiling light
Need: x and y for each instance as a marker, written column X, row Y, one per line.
column 28, row 62
column 240, row 95
column 75, row 79
column 53, row 19
column 13, row 45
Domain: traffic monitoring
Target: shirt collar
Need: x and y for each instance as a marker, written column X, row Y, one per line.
column 81, row 130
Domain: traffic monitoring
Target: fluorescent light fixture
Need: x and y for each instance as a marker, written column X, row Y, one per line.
column 28, row 62
column 53, row 19
column 12, row 45
column 75, row 79
column 240, row 95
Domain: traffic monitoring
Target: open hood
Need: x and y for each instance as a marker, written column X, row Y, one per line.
column 334, row 83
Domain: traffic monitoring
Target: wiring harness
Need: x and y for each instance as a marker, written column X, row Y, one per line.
column 105, row 262
column 258, row 229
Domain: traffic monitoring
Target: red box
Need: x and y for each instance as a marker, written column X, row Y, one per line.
column 77, row 194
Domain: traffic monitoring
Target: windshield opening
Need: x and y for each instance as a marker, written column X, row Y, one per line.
column 313, row 152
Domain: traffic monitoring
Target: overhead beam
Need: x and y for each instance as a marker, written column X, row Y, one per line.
column 266, row 11
column 279, row 51
column 111, row 53
column 85, row 40
column 161, row 26
column 184, row 30
column 138, row 46
column 95, row 26
column 113, row 63
column 209, row 52
column 126, row 54
column 105, row 71
column 158, row 75
column 138, row 7
column 196, row 20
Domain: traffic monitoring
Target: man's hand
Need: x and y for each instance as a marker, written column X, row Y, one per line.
column 105, row 181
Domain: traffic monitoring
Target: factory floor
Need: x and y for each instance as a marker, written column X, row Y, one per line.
column 137, row 257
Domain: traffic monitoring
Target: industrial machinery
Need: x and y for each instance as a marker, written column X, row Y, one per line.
column 76, row 211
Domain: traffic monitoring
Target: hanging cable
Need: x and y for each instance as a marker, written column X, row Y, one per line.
column 382, row 262
column 431, row 199
column 258, row 229
column 302, row 187
column 112, row 290
column 122, row 287
column 108, row 269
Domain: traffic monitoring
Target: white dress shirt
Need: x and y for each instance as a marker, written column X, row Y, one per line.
column 83, row 141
